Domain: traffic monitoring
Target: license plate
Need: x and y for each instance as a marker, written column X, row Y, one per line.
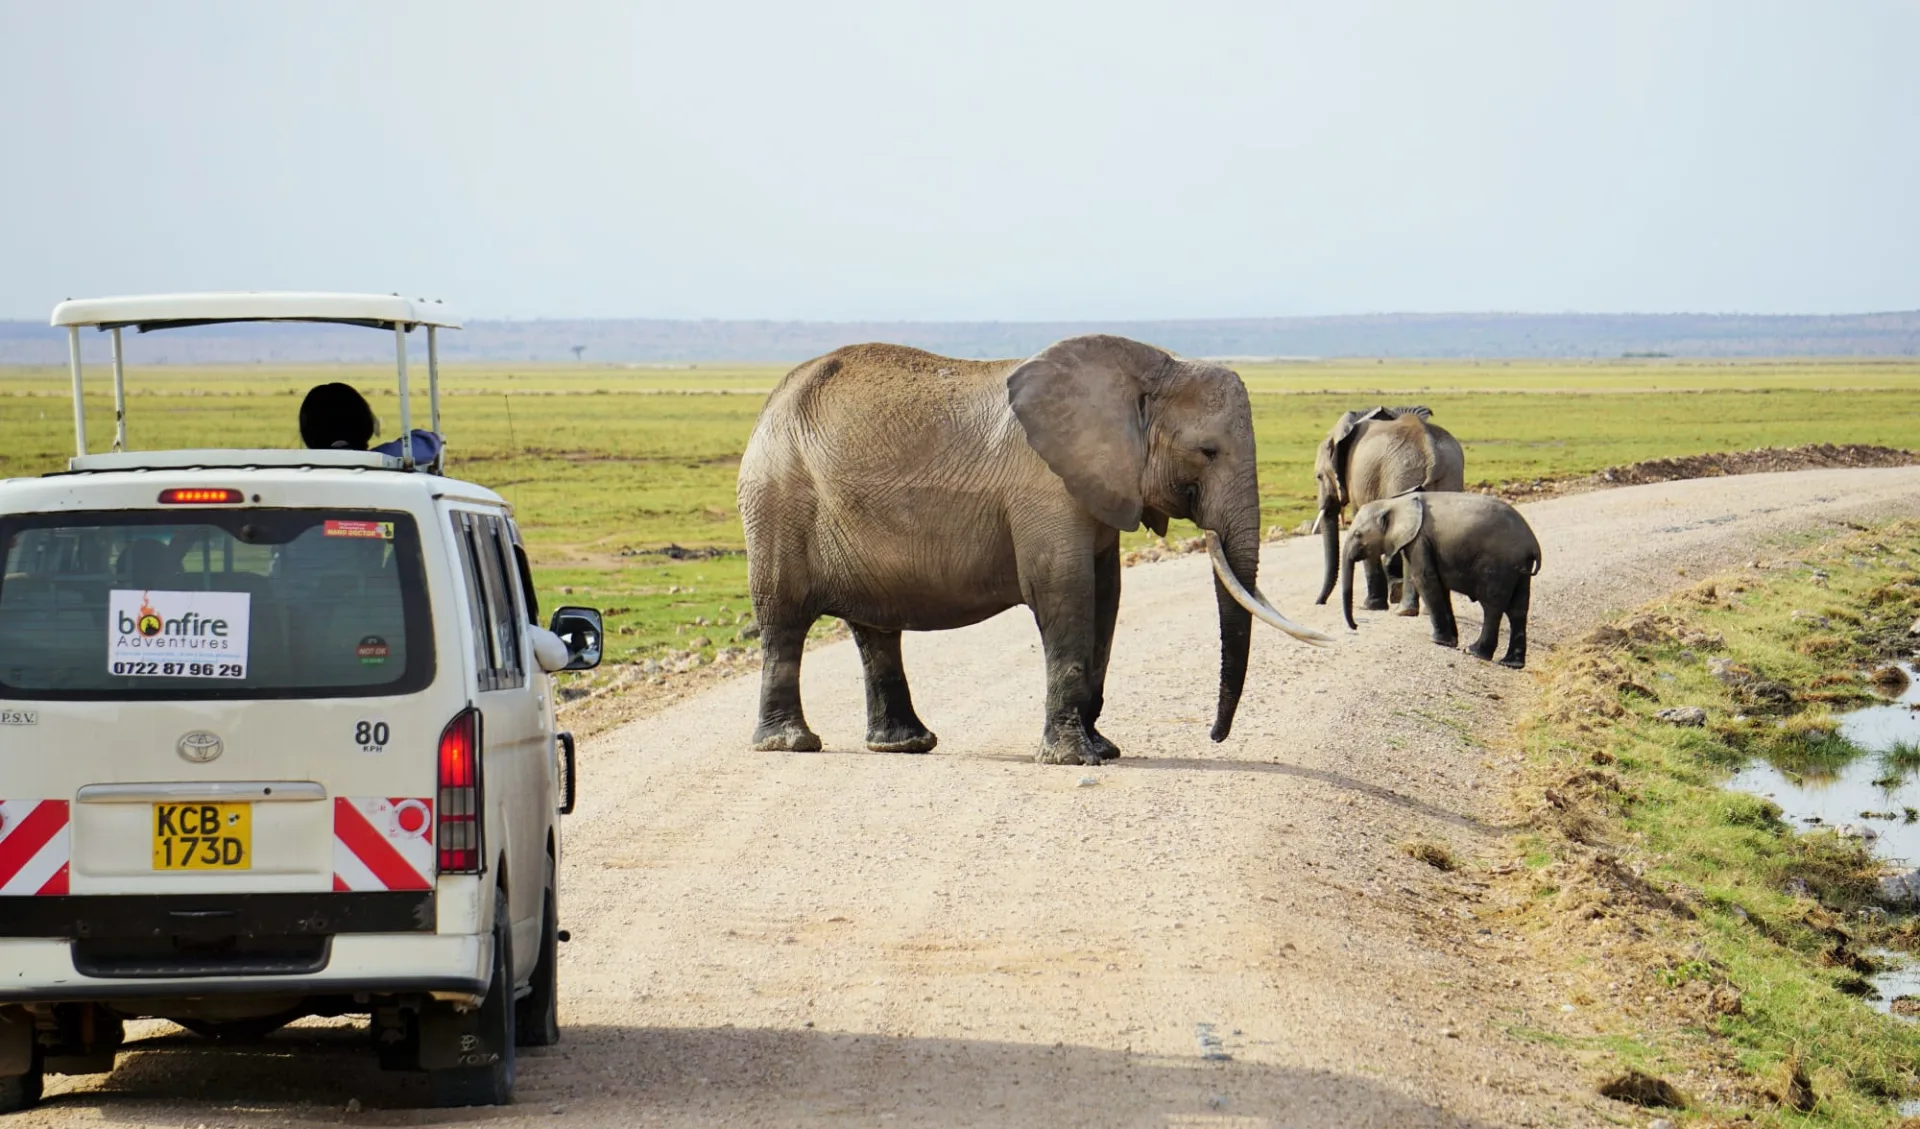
column 202, row 836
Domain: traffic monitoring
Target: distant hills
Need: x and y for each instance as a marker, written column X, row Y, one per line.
column 647, row 340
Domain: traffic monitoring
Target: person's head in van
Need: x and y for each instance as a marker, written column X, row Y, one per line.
column 336, row 417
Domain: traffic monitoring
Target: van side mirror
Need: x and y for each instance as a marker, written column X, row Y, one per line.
column 580, row 629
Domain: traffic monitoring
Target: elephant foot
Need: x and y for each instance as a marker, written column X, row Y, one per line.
column 894, row 738
column 1407, row 610
column 1446, row 640
column 1375, row 604
column 785, row 737
column 1070, row 746
column 1483, row 655
column 1107, row 749
column 1515, row 662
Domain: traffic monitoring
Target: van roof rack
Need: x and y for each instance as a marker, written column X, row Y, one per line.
column 150, row 312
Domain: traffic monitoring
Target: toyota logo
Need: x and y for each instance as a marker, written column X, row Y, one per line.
column 199, row 746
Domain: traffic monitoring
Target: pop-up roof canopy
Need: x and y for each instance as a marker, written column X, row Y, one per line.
column 149, row 312
column 171, row 311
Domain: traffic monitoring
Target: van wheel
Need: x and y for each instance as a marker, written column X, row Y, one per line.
column 22, row 1091
column 538, row 1021
column 492, row 1084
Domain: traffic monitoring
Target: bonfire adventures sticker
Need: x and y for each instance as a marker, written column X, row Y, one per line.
column 177, row 634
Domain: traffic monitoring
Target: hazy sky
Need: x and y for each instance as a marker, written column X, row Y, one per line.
column 968, row 159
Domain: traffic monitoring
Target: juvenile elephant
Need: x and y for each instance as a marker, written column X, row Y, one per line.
column 902, row 491
column 1375, row 454
column 1473, row 544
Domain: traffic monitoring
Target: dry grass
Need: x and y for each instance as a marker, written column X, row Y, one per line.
column 1645, row 1090
column 1434, row 853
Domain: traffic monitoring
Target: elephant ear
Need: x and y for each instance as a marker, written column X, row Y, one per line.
column 1404, row 523
column 1340, row 440
column 1081, row 402
column 1343, row 430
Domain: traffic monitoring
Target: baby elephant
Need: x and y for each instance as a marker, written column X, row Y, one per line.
column 1472, row 544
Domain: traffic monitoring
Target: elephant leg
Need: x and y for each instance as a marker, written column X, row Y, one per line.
column 783, row 727
column 1517, row 608
column 1409, row 594
column 1376, row 585
column 1106, row 613
column 892, row 726
column 1446, row 631
column 1061, row 593
column 1493, row 604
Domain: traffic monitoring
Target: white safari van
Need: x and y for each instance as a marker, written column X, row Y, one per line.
column 276, row 739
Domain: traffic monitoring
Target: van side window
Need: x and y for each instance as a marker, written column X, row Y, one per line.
column 507, row 620
column 481, row 621
column 528, row 596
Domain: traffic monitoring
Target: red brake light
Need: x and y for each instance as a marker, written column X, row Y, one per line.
column 200, row 496
column 458, row 803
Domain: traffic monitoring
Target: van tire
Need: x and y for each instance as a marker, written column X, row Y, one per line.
column 487, row 1085
column 22, row 1091
column 538, row 1021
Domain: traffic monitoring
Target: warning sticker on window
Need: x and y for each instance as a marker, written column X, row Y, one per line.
column 177, row 634
column 370, row 530
column 372, row 650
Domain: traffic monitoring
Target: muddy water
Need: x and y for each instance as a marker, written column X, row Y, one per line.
column 1866, row 793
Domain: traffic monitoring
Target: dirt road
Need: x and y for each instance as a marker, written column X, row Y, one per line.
column 1195, row 935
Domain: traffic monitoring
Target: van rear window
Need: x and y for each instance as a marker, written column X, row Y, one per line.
column 254, row 603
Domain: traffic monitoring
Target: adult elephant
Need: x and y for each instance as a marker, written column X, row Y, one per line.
column 903, row 491
column 1374, row 454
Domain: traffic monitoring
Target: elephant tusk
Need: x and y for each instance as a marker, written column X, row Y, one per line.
column 1253, row 601
column 1318, row 517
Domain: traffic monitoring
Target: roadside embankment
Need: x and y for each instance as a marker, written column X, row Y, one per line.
column 1704, row 949
column 1712, row 464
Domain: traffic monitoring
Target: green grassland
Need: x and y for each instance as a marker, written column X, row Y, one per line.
column 607, row 464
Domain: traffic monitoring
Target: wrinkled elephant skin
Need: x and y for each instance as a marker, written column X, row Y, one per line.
column 1374, row 454
column 1473, row 544
column 903, row 491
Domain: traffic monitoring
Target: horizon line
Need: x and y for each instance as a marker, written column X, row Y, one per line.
column 1133, row 320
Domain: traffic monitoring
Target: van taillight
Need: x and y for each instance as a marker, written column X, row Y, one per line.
column 458, row 806
column 200, row 496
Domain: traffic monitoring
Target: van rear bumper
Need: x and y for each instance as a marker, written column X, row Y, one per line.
column 41, row 971
column 105, row 916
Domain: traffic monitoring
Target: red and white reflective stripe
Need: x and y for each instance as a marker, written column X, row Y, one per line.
column 33, row 847
column 382, row 843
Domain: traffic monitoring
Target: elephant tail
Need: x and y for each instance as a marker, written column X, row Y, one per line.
column 1535, row 570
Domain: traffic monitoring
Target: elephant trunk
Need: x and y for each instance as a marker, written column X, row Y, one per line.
column 1236, row 569
column 1346, row 581
column 1241, row 559
column 1329, row 523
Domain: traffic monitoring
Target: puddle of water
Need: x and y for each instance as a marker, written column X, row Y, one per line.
column 1900, row 979
column 1840, row 798
column 1865, row 784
